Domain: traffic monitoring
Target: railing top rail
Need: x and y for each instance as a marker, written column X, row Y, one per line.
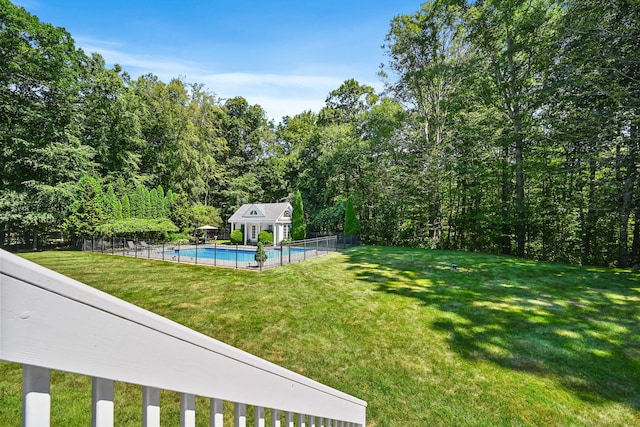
column 314, row 239
column 52, row 321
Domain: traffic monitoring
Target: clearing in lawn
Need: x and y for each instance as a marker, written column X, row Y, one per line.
column 500, row 341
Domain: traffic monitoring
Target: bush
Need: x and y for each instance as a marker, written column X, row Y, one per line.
column 178, row 238
column 236, row 237
column 139, row 228
column 265, row 237
column 261, row 255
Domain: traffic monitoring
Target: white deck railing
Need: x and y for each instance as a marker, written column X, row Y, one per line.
column 51, row 322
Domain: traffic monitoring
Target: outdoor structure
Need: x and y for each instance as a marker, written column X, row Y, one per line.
column 53, row 323
column 256, row 217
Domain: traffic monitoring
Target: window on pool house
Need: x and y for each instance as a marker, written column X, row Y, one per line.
column 253, row 232
column 286, row 231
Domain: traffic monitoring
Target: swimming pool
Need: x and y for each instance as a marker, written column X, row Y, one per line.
column 231, row 254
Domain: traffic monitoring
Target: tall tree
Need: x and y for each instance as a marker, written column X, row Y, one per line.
column 298, row 226
column 86, row 213
column 111, row 125
column 517, row 40
column 351, row 223
column 42, row 156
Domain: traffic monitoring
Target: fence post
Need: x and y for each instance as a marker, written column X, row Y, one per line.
column 135, row 248
column 304, row 253
column 289, row 252
column 236, row 255
column 163, row 250
column 281, row 254
column 178, row 252
column 196, row 250
column 215, row 253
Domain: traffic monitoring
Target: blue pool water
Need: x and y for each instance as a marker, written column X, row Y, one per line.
column 229, row 254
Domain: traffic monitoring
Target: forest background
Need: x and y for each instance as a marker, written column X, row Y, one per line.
column 505, row 126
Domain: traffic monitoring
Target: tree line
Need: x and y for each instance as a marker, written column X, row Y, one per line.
column 505, row 126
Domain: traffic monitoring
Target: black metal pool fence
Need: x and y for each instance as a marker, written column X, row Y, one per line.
column 212, row 253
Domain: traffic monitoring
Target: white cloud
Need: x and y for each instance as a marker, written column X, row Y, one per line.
column 279, row 94
column 165, row 68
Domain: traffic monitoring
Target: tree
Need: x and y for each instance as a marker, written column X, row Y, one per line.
column 126, row 207
column 86, row 214
column 204, row 215
column 351, row 223
column 298, row 226
column 517, row 40
column 159, row 206
column 111, row 121
column 181, row 212
column 347, row 103
column 154, row 212
column 109, row 204
column 40, row 90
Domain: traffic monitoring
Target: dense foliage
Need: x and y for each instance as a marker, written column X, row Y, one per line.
column 505, row 126
column 298, row 226
column 265, row 237
column 236, row 237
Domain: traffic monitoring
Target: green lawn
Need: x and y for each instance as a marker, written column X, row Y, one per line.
column 501, row 341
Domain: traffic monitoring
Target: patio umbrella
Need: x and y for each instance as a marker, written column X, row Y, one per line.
column 207, row 227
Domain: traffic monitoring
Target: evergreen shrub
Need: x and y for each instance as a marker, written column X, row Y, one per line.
column 265, row 237
column 236, row 237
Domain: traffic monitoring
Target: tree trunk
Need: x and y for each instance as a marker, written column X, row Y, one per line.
column 505, row 238
column 625, row 212
column 590, row 220
column 635, row 246
column 520, row 214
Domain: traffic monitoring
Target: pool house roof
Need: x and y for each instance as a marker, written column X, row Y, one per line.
column 263, row 212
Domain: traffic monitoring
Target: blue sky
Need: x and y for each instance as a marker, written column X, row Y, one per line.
column 285, row 55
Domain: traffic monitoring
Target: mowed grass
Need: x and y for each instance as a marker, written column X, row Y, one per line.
column 501, row 341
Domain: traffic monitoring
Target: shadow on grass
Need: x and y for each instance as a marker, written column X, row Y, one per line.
column 577, row 325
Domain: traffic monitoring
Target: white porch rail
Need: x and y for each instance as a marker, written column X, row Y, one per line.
column 51, row 322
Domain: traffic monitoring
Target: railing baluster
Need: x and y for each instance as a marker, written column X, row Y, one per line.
column 312, row 421
column 301, row 420
column 187, row 410
column 101, row 402
column 240, row 414
column 258, row 416
column 275, row 418
column 150, row 407
column 216, row 416
column 288, row 419
column 36, row 397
